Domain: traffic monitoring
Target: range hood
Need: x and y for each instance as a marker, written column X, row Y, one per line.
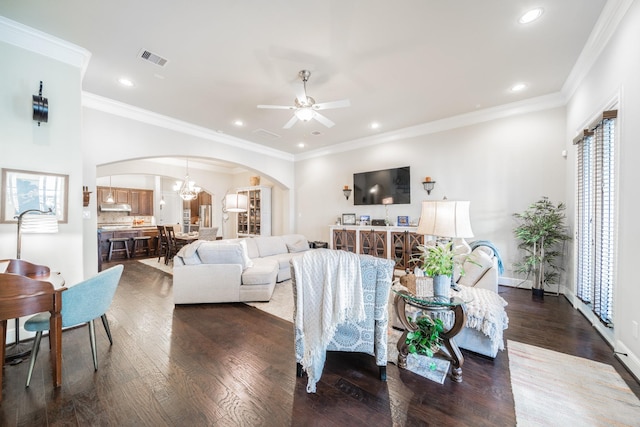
column 115, row 207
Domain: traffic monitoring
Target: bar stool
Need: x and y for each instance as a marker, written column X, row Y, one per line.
column 112, row 248
column 141, row 243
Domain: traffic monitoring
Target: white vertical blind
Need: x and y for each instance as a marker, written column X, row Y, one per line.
column 596, row 217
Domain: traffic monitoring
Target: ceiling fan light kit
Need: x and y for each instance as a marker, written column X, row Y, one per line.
column 305, row 107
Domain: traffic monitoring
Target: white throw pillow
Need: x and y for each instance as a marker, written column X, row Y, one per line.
column 478, row 262
column 298, row 246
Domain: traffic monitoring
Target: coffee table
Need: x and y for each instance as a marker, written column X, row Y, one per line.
column 404, row 298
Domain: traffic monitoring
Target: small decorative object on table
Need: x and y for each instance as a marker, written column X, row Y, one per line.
column 365, row 219
column 348, row 219
column 403, row 221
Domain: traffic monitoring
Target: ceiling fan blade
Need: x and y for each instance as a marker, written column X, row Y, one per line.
column 291, row 122
column 333, row 104
column 278, row 107
column 301, row 94
column 322, row 119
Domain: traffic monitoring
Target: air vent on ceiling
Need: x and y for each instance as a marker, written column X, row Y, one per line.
column 152, row 57
column 266, row 134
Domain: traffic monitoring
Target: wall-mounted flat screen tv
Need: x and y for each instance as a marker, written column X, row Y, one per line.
column 390, row 185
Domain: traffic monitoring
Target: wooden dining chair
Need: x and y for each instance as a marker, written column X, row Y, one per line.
column 172, row 244
column 163, row 244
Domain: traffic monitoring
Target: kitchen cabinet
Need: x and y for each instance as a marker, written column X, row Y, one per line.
column 141, row 201
column 256, row 221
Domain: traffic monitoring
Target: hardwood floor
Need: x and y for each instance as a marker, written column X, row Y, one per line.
column 234, row 365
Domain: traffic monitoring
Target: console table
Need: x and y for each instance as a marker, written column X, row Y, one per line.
column 433, row 305
column 392, row 242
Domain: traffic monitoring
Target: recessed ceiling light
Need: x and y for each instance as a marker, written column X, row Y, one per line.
column 316, row 133
column 238, row 122
column 531, row 15
column 518, row 87
column 374, row 125
column 125, row 82
column 301, row 144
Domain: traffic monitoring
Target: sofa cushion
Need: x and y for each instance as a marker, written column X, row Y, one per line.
column 264, row 271
column 298, row 246
column 271, row 245
column 478, row 262
column 221, row 253
column 252, row 248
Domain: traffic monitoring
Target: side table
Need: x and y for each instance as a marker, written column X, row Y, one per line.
column 432, row 305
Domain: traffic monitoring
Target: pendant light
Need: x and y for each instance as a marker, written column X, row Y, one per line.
column 110, row 195
column 188, row 190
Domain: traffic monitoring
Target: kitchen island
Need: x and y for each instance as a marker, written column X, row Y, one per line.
column 108, row 231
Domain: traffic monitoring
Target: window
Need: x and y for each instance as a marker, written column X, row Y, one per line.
column 595, row 216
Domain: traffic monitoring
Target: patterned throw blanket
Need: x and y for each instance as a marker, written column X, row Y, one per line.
column 485, row 313
column 328, row 292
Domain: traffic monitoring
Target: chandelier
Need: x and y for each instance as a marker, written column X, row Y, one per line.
column 187, row 189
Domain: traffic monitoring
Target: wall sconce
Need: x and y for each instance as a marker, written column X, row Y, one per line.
column 86, row 196
column 346, row 191
column 40, row 107
column 428, row 184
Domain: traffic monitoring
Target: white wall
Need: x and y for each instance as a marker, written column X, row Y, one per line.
column 616, row 74
column 501, row 166
column 52, row 147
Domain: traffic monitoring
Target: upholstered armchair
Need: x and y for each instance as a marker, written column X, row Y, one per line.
column 313, row 273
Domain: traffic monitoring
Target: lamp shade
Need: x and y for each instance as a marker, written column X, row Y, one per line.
column 36, row 223
column 445, row 218
column 236, row 202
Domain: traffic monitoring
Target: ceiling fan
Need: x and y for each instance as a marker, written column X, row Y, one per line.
column 306, row 107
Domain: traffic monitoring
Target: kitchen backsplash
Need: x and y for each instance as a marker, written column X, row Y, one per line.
column 123, row 218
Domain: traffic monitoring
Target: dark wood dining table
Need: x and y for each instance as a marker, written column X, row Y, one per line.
column 26, row 289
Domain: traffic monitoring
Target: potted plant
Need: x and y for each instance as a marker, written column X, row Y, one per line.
column 426, row 338
column 438, row 262
column 540, row 229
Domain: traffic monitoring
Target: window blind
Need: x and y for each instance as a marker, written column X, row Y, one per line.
column 596, row 216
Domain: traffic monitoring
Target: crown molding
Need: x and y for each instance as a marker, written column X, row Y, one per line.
column 36, row 41
column 540, row 103
column 127, row 111
column 612, row 14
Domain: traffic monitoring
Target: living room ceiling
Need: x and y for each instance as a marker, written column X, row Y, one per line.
column 400, row 64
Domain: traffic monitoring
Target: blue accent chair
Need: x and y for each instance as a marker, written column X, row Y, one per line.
column 81, row 303
column 369, row 336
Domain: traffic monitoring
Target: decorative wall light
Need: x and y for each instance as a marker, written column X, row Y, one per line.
column 428, row 184
column 86, row 196
column 40, row 107
column 346, row 191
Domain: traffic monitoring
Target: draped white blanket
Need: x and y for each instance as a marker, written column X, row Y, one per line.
column 328, row 292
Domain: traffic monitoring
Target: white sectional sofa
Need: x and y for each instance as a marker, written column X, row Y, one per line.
column 233, row 270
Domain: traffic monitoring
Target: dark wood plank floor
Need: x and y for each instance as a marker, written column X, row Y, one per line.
column 233, row 365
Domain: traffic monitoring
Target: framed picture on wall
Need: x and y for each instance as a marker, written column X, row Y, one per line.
column 27, row 190
column 348, row 219
column 403, row 221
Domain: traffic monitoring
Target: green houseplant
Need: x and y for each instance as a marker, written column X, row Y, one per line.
column 438, row 262
column 539, row 231
column 426, row 339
